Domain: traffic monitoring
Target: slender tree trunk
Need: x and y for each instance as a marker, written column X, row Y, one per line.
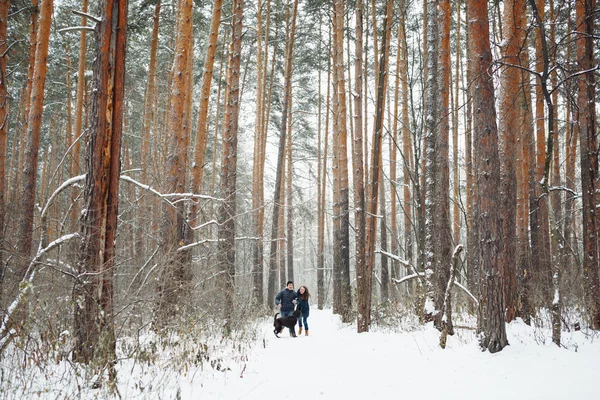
column 323, row 195
column 4, row 113
column 432, row 185
column 257, row 245
column 456, row 222
column 540, row 235
column 227, row 211
column 526, row 271
column 281, row 151
column 94, row 325
column 289, row 200
column 78, row 128
column 444, row 240
column 358, row 175
column 472, row 223
column 589, row 156
column 491, row 325
column 407, row 159
column 34, row 126
column 376, row 149
column 394, row 146
column 202, row 128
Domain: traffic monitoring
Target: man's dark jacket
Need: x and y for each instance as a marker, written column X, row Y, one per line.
column 286, row 298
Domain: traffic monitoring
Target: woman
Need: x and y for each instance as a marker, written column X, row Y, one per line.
column 304, row 307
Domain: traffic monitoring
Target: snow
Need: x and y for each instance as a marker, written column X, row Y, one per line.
column 335, row 362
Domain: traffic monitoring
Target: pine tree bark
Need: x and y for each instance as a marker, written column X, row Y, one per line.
column 444, row 240
column 358, row 175
column 94, row 326
column 281, row 152
column 540, row 235
column 227, row 211
column 4, row 113
column 323, row 195
column 34, row 126
column 588, row 156
column 176, row 273
column 510, row 125
column 407, row 159
column 257, row 245
column 342, row 132
column 491, row 325
column 202, row 128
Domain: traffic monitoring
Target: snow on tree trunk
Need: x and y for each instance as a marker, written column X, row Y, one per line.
column 491, row 325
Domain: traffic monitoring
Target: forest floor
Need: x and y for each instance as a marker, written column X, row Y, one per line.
column 335, row 362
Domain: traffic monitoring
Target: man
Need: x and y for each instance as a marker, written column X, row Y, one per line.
column 286, row 300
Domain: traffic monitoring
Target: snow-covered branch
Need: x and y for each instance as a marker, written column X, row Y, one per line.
column 86, row 15
column 65, row 184
column 76, row 28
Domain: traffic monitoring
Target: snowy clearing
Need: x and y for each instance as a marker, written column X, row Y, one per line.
column 335, row 362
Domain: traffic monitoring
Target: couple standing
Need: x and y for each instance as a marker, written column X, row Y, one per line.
column 288, row 298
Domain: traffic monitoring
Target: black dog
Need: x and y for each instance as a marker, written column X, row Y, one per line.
column 287, row 322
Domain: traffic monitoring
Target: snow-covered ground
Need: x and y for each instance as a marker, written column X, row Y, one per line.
column 334, row 362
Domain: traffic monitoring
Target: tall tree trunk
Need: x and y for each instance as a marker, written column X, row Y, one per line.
column 289, row 200
column 491, row 325
column 148, row 123
column 444, row 240
column 472, row 223
column 373, row 183
column 281, row 152
column 540, row 235
column 94, row 325
column 257, row 167
column 589, row 156
column 394, row 146
column 407, row 159
column 34, row 126
column 510, row 124
column 342, row 132
column 323, row 191
column 358, row 175
column 456, row 223
column 177, row 274
column 432, row 188
column 4, row 113
column 570, row 161
column 227, row 211
column 526, row 270
column 202, row 128
column 77, row 130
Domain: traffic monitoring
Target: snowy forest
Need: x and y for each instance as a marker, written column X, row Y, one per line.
column 167, row 166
